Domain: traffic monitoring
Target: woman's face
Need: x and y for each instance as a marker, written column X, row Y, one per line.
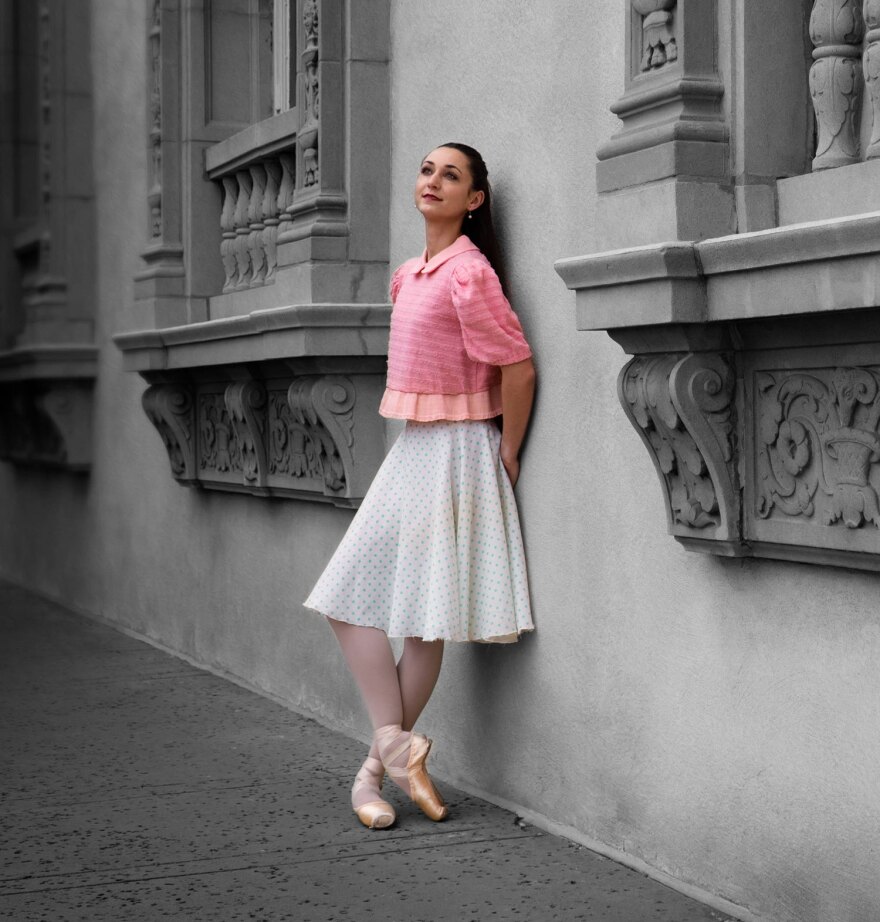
column 443, row 187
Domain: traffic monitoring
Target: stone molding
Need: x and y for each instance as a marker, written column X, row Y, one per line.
column 671, row 105
column 784, row 270
column 316, row 333
column 755, row 383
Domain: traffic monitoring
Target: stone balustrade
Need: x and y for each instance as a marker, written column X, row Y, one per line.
column 257, row 175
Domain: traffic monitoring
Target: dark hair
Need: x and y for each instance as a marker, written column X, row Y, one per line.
column 479, row 226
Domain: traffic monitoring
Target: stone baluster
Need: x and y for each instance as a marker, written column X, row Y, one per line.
column 242, row 229
column 836, row 29
column 270, row 217
column 256, row 225
column 287, row 189
column 227, row 227
column 871, row 63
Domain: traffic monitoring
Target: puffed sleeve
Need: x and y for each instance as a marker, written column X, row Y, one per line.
column 491, row 330
column 396, row 279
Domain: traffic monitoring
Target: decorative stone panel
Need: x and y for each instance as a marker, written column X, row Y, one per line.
column 813, row 449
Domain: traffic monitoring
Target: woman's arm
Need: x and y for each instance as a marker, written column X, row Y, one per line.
column 517, row 393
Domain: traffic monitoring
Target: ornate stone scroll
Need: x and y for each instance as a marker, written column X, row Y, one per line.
column 658, row 35
column 836, row 29
column 169, row 407
column 246, row 404
column 818, row 446
column 682, row 406
column 871, row 67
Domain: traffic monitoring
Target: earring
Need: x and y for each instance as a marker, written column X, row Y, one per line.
column 470, row 215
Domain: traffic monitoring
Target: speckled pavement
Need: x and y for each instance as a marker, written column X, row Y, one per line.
column 137, row 787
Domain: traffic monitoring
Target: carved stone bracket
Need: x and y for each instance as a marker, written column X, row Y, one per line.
column 682, row 406
column 47, row 423
column 317, row 437
column 46, row 405
column 169, row 407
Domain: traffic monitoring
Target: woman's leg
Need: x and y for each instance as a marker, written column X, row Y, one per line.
column 368, row 654
column 370, row 660
column 402, row 751
column 417, row 672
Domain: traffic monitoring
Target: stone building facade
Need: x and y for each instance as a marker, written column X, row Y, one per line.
column 203, row 200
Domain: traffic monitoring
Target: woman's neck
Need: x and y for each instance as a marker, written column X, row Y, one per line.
column 438, row 237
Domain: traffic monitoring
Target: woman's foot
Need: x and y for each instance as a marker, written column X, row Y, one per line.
column 404, row 755
column 366, row 799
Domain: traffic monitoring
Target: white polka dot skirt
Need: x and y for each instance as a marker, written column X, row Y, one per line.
column 435, row 550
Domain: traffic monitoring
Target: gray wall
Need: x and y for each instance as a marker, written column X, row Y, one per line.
column 714, row 720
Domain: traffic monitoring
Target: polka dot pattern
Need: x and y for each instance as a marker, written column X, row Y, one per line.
column 435, row 550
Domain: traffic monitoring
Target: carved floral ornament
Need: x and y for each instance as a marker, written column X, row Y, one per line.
column 308, row 138
column 294, row 440
column 682, row 407
column 818, row 445
column 659, row 45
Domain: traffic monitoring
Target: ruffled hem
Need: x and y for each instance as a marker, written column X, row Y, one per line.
column 429, row 408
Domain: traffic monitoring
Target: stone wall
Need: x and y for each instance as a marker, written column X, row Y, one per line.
column 711, row 720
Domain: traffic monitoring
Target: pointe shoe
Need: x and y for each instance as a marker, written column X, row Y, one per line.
column 421, row 789
column 375, row 813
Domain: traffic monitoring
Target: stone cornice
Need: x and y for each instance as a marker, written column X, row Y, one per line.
column 729, row 278
column 299, row 331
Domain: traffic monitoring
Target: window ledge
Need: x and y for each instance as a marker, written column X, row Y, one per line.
column 754, row 383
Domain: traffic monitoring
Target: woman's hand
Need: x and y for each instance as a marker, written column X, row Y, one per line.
column 511, row 465
column 517, row 393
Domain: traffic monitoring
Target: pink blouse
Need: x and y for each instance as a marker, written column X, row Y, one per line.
column 451, row 329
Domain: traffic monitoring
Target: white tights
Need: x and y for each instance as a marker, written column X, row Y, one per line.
column 395, row 694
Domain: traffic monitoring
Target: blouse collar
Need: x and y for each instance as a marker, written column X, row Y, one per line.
column 461, row 245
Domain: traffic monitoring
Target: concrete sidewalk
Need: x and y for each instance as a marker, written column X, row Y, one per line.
column 137, row 787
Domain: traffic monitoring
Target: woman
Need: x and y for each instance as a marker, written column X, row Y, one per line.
column 434, row 552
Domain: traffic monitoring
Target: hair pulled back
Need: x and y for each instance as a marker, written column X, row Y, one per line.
column 479, row 226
